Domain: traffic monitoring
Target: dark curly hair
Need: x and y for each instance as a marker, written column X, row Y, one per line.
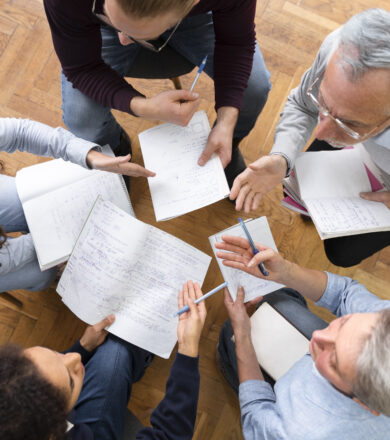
column 30, row 406
column 3, row 237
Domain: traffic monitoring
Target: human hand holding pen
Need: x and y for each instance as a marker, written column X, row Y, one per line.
column 190, row 323
column 237, row 253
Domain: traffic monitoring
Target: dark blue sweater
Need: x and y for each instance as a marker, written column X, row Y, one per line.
column 174, row 417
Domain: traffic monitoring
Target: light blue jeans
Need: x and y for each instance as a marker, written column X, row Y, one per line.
column 193, row 39
column 28, row 276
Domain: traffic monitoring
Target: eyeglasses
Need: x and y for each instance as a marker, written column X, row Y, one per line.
column 324, row 111
column 146, row 44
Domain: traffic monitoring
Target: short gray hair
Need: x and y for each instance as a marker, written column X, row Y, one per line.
column 372, row 383
column 364, row 41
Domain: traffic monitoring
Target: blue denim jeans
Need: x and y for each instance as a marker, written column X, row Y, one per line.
column 292, row 305
column 193, row 39
column 28, row 276
column 109, row 376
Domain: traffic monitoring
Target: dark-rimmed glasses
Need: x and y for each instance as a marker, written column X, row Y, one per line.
column 146, row 44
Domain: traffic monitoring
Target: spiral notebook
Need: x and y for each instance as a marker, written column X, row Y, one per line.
column 57, row 196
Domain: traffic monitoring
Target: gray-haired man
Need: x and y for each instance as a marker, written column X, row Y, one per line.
column 347, row 93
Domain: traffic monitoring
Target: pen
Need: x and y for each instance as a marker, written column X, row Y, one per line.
column 261, row 266
column 202, row 298
column 200, row 70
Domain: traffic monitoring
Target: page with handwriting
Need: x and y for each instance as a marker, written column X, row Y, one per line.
column 180, row 184
column 123, row 266
column 253, row 286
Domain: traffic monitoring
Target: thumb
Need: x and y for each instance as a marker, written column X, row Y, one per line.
column 205, row 156
column 184, row 95
column 240, row 295
column 106, row 322
column 122, row 159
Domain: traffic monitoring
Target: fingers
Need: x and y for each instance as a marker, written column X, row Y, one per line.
column 202, row 305
column 180, row 298
column 238, row 182
column 135, row 170
column 261, row 257
column 106, row 322
column 241, row 242
column 248, row 202
column 229, row 256
column 256, row 201
column 244, row 191
column 254, row 302
column 240, row 295
column 184, row 95
column 207, row 153
column 379, row 196
column 227, row 299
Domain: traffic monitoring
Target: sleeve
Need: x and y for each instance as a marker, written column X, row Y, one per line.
column 42, row 140
column 78, row 43
column 174, row 418
column 259, row 417
column 299, row 116
column 16, row 253
column 344, row 295
column 235, row 39
column 78, row 348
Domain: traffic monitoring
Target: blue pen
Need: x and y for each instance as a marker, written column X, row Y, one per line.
column 202, row 298
column 261, row 266
column 200, row 70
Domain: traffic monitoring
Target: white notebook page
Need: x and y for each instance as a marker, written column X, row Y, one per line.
column 181, row 185
column 123, row 266
column 253, row 286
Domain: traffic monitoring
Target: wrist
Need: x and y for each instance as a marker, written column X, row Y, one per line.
column 86, row 346
column 227, row 118
column 191, row 350
column 282, row 163
column 137, row 106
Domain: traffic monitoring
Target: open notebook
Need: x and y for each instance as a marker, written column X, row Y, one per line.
column 181, row 185
column 56, row 197
column 278, row 344
column 327, row 184
column 123, row 266
column 253, row 286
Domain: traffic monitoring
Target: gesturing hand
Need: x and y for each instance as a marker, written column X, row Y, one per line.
column 95, row 335
column 119, row 165
column 378, row 196
column 239, row 255
column 190, row 323
column 220, row 142
column 260, row 177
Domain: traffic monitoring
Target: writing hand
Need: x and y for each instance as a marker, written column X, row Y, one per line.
column 378, row 196
column 119, row 165
column 175, row 106
column 190, row 323
column 95, row 335
column 260, row 177
column 239, row 255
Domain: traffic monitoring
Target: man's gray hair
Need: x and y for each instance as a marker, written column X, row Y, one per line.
column 372, row 383
column 364, row 41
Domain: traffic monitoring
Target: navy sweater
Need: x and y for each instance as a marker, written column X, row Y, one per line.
column 174, row 417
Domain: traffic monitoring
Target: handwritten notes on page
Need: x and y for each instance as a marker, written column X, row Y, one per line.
column 253, row 286
column 123, row 266
column 180, row 184
column 57, row 197
column 330, row 183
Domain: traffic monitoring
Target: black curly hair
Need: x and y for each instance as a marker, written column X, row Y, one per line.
column 3, row 237
column 30, row 406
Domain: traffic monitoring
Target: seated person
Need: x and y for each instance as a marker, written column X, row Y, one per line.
column 19, row 268
column 346, row 93
column 90, row 385
column 341, row 388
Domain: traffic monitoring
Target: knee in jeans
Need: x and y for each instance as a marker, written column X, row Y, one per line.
column 42, row 280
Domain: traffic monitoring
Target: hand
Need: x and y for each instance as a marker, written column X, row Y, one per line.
column 239, row 311
column 239, row 255
column 221, row 137
column 95, row 335
column 175, row 106
column 119, row 165
column 260, row 177
column 190, row 323
column 378, row 196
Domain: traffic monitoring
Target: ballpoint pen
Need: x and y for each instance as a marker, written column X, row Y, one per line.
column 202, row 298
column 200, row 70
column 261, row 266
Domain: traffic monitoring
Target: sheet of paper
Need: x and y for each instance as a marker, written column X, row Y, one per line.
column 253, row 286
column 123, row 266
column 278, row 344
column 180, row 184
column 55, row 218
column 331, row 174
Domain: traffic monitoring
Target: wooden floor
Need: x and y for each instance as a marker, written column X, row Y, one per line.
column 289, row 34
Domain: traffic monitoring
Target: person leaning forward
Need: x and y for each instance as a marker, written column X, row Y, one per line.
column 341, row 388
column 346, row 93
column 98, row 40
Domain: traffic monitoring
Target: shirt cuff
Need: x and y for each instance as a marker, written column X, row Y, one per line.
column 330, row 299
column 255, row 390
column 78, row 149
column 288, row 171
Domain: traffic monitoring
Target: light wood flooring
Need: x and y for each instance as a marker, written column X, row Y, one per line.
column 289, row 34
